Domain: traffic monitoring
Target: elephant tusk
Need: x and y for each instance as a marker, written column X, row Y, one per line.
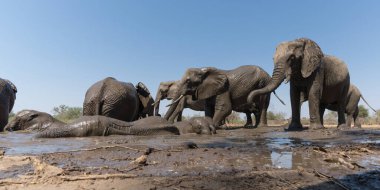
column 154, row 103
column 175, row 101
column 283, row 103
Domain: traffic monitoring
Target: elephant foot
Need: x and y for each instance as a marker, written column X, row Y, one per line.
column 249, row 126
column 343, row 126
column 222, row 127
column 358, row 125
column 316, row 126
column 212, row 129
column 262, row 125
column 295, row 127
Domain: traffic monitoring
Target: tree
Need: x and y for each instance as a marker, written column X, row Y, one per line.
column 11, row 116
column 275, row 116
column 331, row 117
column 66, row 114
column 234, row 118
column 363, row 112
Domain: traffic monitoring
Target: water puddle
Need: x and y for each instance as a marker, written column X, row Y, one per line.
column 24, row 144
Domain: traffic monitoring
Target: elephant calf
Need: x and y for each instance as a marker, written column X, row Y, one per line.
column 352, row 109
column 48, row 127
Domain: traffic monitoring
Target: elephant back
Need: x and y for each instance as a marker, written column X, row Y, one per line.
column 112, row 98
column 245, row 79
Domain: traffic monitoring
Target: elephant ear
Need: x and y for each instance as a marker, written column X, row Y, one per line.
column 144, row 95
column 214, row 82
column 311, row 58
column 172, row 89
column 12, row 85
column 142, row 89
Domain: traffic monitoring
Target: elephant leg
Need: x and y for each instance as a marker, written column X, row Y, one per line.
column 321, row 112
column 341, row 113
column 223, row 108
column 4, row 114
column 177, row 111
column 295, row 123
column 249, row 123
column 264, row 104
column 355, row 117
column 179, row 117
column 210, row 107
column 315, row 106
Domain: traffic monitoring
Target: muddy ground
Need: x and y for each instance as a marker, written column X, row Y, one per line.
column 237, row 158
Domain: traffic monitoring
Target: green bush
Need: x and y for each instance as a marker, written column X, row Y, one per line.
column 66, row 114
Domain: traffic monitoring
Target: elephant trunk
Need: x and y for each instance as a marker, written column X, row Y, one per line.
column 277, row 77
column 156, row 103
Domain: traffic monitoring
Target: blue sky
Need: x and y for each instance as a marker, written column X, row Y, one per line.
column 55, row 50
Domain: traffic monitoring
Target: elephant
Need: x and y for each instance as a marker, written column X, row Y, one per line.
column 48, row 127
column 352, row 109
column 7, row 99
column 224, row 91
column 168, row 90
column 120, row 100
column 313, row 76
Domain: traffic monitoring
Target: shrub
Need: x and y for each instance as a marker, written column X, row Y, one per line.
column 66, row 114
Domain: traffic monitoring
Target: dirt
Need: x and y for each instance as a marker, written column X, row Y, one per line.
column 236, row 158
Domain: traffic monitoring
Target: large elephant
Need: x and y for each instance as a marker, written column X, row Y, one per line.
column 48, row 127
column 168, row 90
column 320, row 79
column 352, row 109
column 120, row 100
column 226, row 90
column 7, row 99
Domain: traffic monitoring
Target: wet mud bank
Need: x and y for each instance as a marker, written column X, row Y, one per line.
column 237, row 158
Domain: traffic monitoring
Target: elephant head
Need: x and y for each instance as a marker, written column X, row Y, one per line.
column 30, row 120
column 202, row 125
column 293, row 61
column 202, row 83
column 166, row 90
column 146, row 100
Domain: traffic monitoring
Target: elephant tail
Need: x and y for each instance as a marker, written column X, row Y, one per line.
column 367, row 103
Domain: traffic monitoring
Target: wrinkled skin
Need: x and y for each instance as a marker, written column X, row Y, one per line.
column 120, row 100
column 7, row 99
column 320, row 79
column 32, row 120
column 226, row 90
column 168, row 90
column 48, row 127
column 352, row 109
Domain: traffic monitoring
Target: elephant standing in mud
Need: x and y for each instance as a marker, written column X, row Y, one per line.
column 320, row 79
column 48, row 127
column 168, row 90
column 226, row 90
column 352, row 109
column 120, row 100
column 7, row 99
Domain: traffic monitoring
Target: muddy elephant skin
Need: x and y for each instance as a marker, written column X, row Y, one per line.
column 168, row 90
column 352, row 109
column 226, row 90
column 313, row 76
column 120, row 100
column 7, row 99
column 48, row 127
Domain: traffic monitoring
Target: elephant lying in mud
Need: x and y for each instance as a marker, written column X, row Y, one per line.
column 49, row 127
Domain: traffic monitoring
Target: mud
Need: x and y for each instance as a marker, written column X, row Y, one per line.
column 236, row 158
